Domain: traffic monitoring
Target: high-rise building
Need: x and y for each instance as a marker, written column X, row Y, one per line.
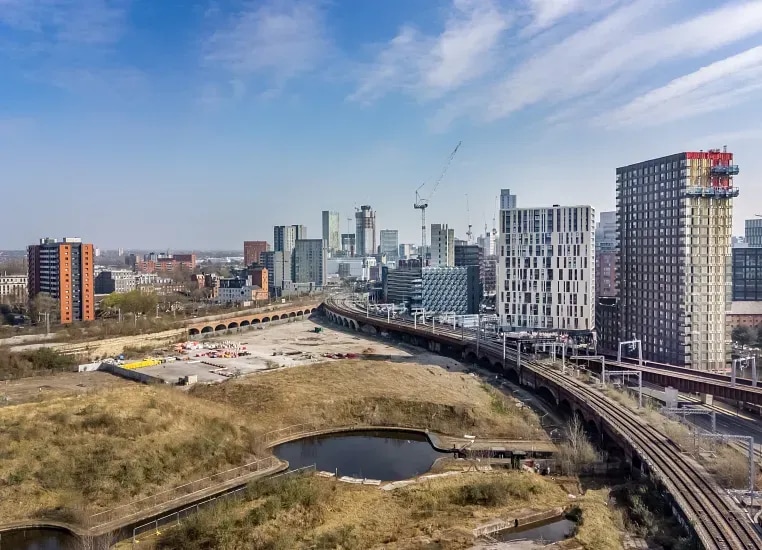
column 252, row 251
column 442, row 245
column 547, row 273
column 365, row 231
column 507, row 201
column 487, row 243
column 674, row 230
column 605, row 256
column 310, row 256
column 747, row 274
column 753, row 232
column 278, row 265
column 64, row 270
column 405, row 251
column 447, row 289
column 331, row 231
column 390, row 243
column 285, row 237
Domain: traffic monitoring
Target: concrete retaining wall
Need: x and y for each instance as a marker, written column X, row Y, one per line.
column 131, row 374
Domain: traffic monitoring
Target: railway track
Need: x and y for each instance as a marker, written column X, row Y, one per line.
column 719, row 524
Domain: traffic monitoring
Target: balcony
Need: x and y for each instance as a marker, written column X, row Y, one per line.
column 731, row 170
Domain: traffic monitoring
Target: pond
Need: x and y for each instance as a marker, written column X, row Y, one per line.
column 553, row 530
column 388, row 456
column 37, row 539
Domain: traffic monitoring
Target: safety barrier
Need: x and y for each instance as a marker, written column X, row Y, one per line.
column 140, row 506
column 142, row 364
column 152, row 527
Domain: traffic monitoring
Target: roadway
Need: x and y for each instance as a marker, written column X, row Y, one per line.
column 716, row 519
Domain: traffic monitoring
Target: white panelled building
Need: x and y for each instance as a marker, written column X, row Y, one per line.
column 547, row 268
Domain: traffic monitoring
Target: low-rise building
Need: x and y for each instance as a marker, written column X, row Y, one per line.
column 743, row 314
column 115, row 280
column 13, row 288
column 451, row 289
column 403, row 285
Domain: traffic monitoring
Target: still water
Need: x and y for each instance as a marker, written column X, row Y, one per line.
column 388, row 456
column 37, row 539
column 550, row 531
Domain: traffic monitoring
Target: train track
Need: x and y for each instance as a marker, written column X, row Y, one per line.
column 717, row 521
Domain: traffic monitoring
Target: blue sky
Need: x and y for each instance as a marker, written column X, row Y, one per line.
column 198, row 124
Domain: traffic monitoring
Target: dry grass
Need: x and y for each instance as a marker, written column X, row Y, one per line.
column 601, row 523
column 312, row 512
column 109, row 448
column 374, row 393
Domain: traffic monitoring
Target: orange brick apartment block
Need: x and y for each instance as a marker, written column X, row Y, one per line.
column 64, row 270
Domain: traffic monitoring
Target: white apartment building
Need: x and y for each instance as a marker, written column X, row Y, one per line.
column 13, row 288
column 442, row 245
column 547, row 273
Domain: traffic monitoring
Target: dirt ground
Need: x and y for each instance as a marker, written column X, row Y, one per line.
column 40, row 388
column 287, row 345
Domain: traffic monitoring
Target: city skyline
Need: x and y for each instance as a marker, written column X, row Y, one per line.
column 295, row 107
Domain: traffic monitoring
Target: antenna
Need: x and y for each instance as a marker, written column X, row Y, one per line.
column 423, row 203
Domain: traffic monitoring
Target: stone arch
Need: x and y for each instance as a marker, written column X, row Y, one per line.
column 245, row 323
column 220, row 327
column 544, row 393
column 292, row 314
column 276, row 317
column 233, row 325
column 255, row 321
column 265, row 319
column 470, row 357
column 193, row 331
column 511, row 375
column 299, row 313
column 565, row 408
column 313, row 310
column 206, row 330
column 355, row 325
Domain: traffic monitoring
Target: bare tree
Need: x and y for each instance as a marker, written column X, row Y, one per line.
column 577, row 452
column 44, row 303
column 95, row 542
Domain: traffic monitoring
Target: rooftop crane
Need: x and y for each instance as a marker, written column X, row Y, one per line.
column 469, row 233
column 423, row 203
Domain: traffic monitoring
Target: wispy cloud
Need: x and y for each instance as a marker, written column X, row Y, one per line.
column 428, row 66
column 94, row 22
column 605, row 50
column 720, row 85
column 279, row 40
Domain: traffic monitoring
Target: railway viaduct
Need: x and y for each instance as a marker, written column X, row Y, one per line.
column 223, row 323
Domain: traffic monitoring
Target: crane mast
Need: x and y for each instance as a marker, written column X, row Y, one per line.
column 422, row 203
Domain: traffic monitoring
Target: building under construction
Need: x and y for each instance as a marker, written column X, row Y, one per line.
column 674, row 218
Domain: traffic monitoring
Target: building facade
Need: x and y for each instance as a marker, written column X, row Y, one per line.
column 348, row 244
column 332, row 231
column 64, row 270
column 674, row 232
column 747, row 275
column 115, row 280
column 446, row 289
column 390, row 243
column 487, row 242
column 285, row 237
column 403, row 284
column 607, row 324
column 365, row 231
column 753, row 232
column 606, row 255
column 13, row 289
column 278, row 266
column 442, row 246
column 547, row 268
column 310, row 257
column 252, row 251
column 507, row 201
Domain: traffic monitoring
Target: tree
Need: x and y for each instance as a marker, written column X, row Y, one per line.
column 133, row 302
column 743, row 335
column 577, row 452
column 44, row 303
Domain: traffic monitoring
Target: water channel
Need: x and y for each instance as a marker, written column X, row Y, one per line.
column 554, row 530
column 388, row 456
column 37, row 539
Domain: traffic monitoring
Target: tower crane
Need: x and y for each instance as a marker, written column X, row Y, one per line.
column 469, row 233
column 422, row 203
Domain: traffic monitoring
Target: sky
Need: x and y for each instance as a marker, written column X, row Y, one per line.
column 197, row 124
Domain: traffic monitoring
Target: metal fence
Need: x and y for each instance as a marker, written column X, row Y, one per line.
column 139, row 506
column 152, row 527
column 296, row 431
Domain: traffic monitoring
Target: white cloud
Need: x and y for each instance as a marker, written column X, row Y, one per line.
column 720, row 85
column 280, row 39
column 429, row 66
column 84, row 22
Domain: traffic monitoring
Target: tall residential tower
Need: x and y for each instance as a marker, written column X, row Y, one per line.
column 64, row 270
column 674, row 228
column 365, row 231
column 331, row 231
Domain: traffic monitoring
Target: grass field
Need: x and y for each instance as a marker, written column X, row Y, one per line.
column 111, row 447
column 317, row 513
column 68, row 456
column 375, row 393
